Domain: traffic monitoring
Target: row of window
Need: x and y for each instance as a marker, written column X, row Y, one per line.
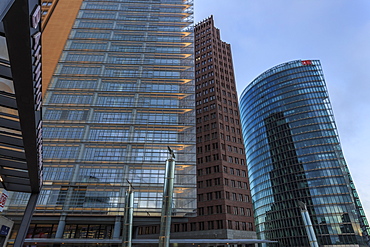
column 103, row 153
column 209, row 196
column 215, row 157
column 207, row 137
column 217, row 181
column 213, row 106
column 211, row 116
column 203, row 62
column 281, row 71
column 116, row 59
column 231, row 138
column 111, row 46
column 219, row 224
column 70, row 231
column 229, row 210
column 205, row 92
column 199, row 226
column 118, row 101
column 117, row 85
column 110, row 117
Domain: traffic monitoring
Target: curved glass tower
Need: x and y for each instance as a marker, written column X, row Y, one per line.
column 294, row 155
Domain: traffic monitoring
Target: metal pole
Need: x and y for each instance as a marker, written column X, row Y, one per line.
column 164, row 233
column 308, row 224
column 128, row 217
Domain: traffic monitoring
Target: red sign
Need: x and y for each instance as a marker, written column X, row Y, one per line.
column 306, row 62
column 3, row 198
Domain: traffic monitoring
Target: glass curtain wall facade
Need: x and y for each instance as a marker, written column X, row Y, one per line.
column 122, row 92
column 294, row 154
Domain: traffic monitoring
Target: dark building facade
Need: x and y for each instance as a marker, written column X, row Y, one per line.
column 294, row 155
column 224, row 208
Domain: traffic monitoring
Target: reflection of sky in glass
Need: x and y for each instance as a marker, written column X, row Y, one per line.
column 3, row 49
column 120, row 95
column 300, row 156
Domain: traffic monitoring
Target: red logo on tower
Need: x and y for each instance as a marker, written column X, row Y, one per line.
column 306, row 62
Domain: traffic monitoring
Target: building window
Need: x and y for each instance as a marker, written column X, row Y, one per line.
column 210, row 225
column 216, row 157
column 240, row 197
column 229, row 224
column 237, row 225
column 218, row 194
column 216, row 168
column 242, row 211
column 200, row 172
column 176, row 228
column 208, row 170
column 233, row 183
column 230, row 159
column 244, row 226
column 227, row 195
column 184, row 227
column 219, row 224
column 193, row 226
column 234, row 197
column 201, row 211
column 250, row 226
column 200, row 197
column 247, row 198
column 231, row 171
column 201, row 226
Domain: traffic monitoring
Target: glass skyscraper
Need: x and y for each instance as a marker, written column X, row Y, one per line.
column 121, row 93
column 294, row 155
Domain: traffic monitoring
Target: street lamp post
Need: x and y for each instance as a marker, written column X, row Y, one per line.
column 164, row 233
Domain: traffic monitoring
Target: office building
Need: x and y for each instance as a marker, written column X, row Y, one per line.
column 224, row 205
column 224, row 208
column 119, row 89
column 20, row 109
column 294, row 158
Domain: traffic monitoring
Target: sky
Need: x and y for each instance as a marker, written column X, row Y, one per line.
column 265, row 33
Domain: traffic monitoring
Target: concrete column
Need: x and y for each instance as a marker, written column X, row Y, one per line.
column 117, row 228
column 61, row 225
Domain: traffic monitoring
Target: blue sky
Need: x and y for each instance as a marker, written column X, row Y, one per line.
column 265, row 33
